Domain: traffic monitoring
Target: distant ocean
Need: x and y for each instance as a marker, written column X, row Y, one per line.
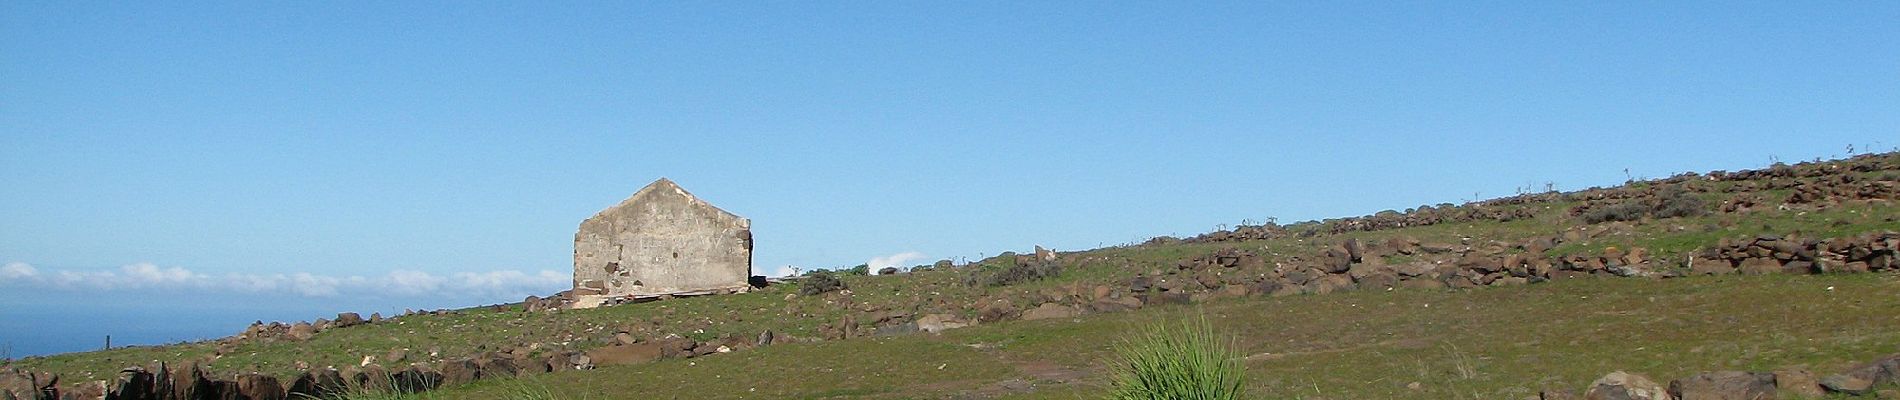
column 37, row 324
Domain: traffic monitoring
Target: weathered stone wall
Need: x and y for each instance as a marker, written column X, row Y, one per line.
column 662, row 240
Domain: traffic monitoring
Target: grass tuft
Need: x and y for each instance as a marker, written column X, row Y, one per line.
column 1189, row 361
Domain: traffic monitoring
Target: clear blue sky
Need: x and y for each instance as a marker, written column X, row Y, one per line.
column 198, row 144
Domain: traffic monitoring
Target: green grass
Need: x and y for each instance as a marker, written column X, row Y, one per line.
column 1189, row 361
column 508, row 389
column 942, row 291
column 1485, row 343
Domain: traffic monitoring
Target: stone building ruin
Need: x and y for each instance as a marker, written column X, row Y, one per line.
column 661, row 241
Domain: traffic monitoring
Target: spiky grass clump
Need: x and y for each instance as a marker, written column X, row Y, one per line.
column 1189, row 361
column 510, row 389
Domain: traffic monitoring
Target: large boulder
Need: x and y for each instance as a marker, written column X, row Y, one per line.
column 370, row 377
column 1798, row 382
column 499, row 366
column 89, row 390
column 416, row 379
column 1759, row 266
column 208, row 389
column 1883, row 371
column 625, row 354
column 134, row 383
column 302, row 331
column 1378, row 280
column 1049, row 311
column 674, row 346
column 934, row 323
column 1849, row 384
column 998, row 310
column 348, row 319
column 255, row 386
column 568, row 361
column 1329, row 284
column 1114, row 304
column 1621, row 385
column 1725, row 385
column 459, row 371
column 317, row 383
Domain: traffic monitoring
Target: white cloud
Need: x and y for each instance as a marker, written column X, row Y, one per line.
column 786, row 271
column 502, row 284
column 898, row 260
column 413, row 282
column 17, row 271
column 146, row 274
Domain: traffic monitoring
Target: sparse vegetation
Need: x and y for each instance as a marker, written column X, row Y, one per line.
column 1013, row 274
column 1670, row 202
column 1624, row 211
column 1675, row 202
column 1189, row 361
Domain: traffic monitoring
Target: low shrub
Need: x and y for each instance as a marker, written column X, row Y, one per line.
column 819, row 283
column 1670, row 202
column 1675, row 202
column 1189, row 361
column 1625, row 211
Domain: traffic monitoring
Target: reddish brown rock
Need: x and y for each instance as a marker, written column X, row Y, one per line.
column 1798, row 382
column 256, row 386
column 1621, row 385
column 626, row 354
column 1725, row 385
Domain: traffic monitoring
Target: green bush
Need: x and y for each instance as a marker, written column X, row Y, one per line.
column 1625, row 211
column 1670, row 202
column 1677, row 202
column 1190, row 361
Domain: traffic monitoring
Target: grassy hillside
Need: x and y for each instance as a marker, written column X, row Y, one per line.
column 1479, row 344
column 1487, row 342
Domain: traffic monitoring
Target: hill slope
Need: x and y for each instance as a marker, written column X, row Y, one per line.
column 1331, row 309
